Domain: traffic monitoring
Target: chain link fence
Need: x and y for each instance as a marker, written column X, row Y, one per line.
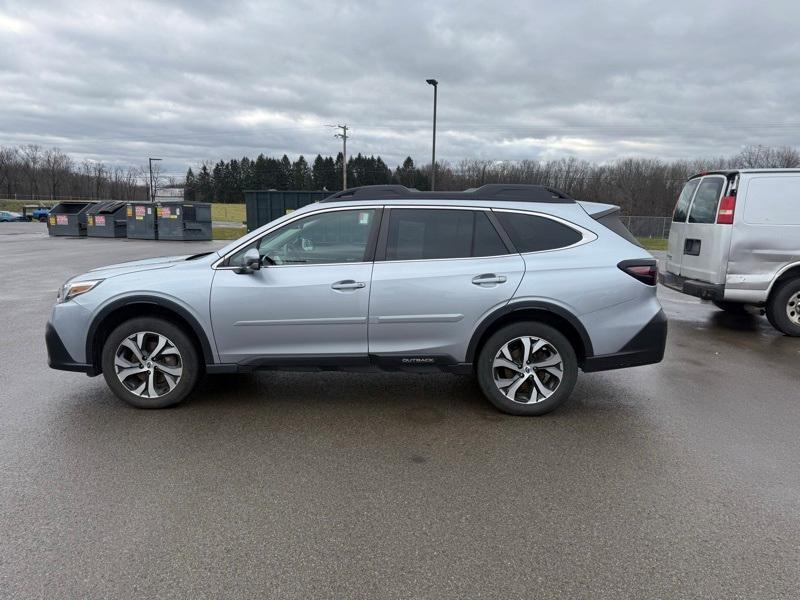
column 649, row 227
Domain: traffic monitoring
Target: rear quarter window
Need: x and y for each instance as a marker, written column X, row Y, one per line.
column 532, row 233
column 773, row 201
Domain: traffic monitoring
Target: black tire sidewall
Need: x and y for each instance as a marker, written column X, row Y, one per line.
column 189, row 358
column 515, row 330
column 776, row 308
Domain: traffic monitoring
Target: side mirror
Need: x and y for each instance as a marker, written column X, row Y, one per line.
column 251, row 261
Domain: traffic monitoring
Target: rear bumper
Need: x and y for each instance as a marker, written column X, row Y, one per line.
column 645, row 348
column 693, row 287
column 59, row 358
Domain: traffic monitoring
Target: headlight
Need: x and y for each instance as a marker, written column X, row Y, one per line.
column 75, row 288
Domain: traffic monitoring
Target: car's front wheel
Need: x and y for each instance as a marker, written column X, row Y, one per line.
column 527, row 368
column 150, row 363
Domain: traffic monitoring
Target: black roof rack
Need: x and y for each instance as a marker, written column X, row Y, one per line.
column 491, row 191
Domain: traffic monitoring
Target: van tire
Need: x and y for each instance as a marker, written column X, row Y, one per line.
column 555, row 340
column 735, row 308
column 778, row 303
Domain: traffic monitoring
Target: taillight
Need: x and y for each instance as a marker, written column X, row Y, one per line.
column 726, row 207
column 645, row 271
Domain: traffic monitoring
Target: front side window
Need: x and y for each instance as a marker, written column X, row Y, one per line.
column 682, row 207
column 704, row 208
column 531, row 233
column 426, row 234
column 323, row 238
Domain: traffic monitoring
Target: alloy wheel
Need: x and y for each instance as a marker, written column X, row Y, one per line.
column 148, row 364
column 527, row 370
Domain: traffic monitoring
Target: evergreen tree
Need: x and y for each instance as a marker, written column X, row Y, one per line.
column 318, row 173
column 301, row 175
column 190, row 186
column 205, row 187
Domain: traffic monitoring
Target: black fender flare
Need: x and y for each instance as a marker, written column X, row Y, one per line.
column 538, row 305
column 199, row 332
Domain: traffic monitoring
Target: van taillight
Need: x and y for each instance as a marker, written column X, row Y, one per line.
column 645, row 271
column 726, row 207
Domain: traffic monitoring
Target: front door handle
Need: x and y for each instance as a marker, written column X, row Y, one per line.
column 489, row 279
column 348, row 284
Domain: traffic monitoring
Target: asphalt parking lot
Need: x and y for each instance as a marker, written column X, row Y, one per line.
column 678, row 480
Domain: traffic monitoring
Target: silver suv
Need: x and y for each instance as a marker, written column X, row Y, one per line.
column 520, row 285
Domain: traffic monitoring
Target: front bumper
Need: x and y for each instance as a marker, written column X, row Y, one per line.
column 58, row 357
column 645, row 348
column 692, row 287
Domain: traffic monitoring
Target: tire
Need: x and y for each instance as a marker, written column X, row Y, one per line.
column 550, row 393
column 165, row 381
column 735, row 308
column 783, row 307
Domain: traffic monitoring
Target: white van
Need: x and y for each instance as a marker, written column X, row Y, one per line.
column 735, row 240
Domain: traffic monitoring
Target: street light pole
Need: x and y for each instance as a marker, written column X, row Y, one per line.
column 435, row 85
column 343, row 135
column 152, row 186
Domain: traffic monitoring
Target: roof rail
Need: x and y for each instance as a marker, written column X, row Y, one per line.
column 491, row 191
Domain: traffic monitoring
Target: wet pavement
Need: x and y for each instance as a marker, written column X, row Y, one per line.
column 677, row 480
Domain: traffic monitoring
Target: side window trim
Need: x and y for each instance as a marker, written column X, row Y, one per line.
column 501, row 232
column 587, row 236
column 383, row 236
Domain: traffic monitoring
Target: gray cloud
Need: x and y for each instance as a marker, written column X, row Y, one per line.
column 192, row 81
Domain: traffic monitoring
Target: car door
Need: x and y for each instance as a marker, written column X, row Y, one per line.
column 309, row 301
column 705, row 244
column 437, row 272
column 677, row 231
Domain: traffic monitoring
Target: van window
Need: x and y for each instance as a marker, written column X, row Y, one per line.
column 706, row 200
column 773, row 201
column 682, row 208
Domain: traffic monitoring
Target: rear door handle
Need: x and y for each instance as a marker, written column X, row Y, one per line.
column 348, row 284
column 489, row 279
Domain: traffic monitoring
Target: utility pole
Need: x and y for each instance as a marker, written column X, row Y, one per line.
column 343, row 135
column 152, row 185
column 435, row 85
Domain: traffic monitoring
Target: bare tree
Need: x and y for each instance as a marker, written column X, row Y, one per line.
column 57, row 166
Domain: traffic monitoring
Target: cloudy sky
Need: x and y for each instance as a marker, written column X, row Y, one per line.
column 200, row 80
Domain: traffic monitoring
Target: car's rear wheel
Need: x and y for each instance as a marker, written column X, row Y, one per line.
column 736, row 308
column 150, row 363
column 783, row 307
column 527, row 368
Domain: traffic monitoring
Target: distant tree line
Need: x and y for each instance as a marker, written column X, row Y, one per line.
column 641, row 186
column 31, row 172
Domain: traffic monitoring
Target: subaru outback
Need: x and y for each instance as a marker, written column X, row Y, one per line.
column 520, row 285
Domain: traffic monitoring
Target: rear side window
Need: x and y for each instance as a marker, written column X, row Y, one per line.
column 706, row 200
column 425, row 234
column 682, row 208
column 531, row 233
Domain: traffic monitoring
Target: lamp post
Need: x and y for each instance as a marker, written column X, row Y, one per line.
column 435, row 85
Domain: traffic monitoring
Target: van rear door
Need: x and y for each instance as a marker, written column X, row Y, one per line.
column 705, row 244
column 677, row 231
